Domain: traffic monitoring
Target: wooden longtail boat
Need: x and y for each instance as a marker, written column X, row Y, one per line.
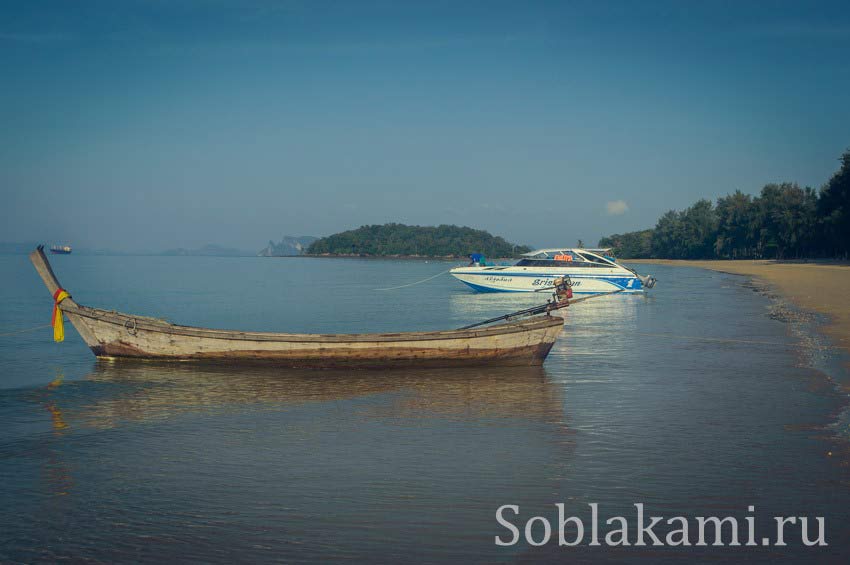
column 114, row 334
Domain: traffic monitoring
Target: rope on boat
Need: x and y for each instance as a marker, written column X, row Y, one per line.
column 57, row 320
column 41, row 327
column 414, row 283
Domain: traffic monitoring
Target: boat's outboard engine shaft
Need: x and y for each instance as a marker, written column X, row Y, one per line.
column 648, row 281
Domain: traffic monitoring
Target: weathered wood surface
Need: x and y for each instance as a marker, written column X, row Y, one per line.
column 114, row 334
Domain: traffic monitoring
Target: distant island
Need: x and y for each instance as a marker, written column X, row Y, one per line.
column 288, row 246
column 398, row 240
column 784, row 221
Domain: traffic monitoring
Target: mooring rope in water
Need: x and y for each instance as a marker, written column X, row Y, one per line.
column 414, row 283
column 41, row 327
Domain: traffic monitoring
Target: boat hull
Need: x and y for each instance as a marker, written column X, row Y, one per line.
column 116, row 335
column 519, row 279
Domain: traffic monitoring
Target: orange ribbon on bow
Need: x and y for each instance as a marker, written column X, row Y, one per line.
column 56, row 321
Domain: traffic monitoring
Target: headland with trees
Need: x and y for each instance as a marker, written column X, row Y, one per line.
column 784, row 221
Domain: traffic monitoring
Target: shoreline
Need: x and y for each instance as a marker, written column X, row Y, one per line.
column 819, row 287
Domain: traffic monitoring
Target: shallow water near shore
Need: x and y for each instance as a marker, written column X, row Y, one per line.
column 692, row 400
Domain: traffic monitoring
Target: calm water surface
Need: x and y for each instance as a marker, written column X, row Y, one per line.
column 148, row 462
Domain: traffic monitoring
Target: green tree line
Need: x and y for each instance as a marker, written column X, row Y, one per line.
column 784, row 221
column 426, row 241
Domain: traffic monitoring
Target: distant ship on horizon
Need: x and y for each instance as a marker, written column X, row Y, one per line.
column 60, row 249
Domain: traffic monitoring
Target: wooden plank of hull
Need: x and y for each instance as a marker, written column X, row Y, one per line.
column 113, row 334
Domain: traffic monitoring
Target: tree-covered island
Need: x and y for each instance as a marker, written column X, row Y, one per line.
column 394, row 240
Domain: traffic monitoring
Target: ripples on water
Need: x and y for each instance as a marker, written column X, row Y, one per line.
column 148, row 461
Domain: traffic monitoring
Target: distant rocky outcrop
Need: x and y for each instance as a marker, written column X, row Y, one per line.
column 288, row 246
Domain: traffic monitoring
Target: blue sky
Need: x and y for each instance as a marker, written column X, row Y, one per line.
column 153, row 124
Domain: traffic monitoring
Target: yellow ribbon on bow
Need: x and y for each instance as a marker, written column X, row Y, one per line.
column 56, row 321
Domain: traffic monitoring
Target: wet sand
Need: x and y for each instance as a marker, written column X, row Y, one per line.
column 818, row 287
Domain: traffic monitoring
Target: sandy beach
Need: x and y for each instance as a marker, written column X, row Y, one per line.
column 816, row 287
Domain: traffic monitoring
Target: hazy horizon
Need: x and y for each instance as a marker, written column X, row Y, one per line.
column 147, row 126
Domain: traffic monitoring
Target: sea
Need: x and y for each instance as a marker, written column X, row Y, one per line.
column 705, row 397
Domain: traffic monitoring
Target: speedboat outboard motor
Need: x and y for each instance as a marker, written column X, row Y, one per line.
column 648, row 281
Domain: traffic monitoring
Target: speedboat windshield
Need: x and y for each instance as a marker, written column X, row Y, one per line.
column 566, row 258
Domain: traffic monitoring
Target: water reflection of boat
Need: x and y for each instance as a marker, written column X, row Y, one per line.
column 615, row 308
column 155, row 390
column 114, row 334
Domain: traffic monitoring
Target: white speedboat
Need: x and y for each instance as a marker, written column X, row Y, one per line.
column 591, row 271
